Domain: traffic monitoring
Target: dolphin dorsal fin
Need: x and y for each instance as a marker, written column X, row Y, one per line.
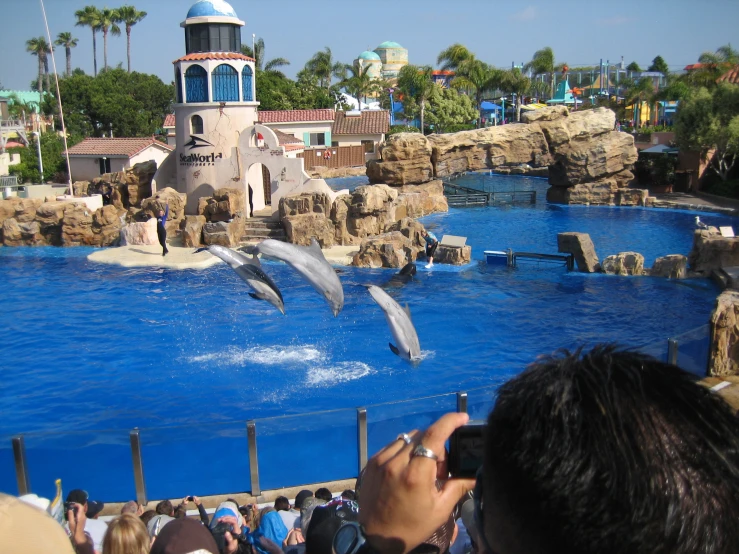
column 255, row 259
column 407, row 310
column 314, row 245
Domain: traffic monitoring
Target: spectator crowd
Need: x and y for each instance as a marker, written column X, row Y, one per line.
column 605, row 451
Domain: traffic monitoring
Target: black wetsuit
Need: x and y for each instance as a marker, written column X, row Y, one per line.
column 162, row 231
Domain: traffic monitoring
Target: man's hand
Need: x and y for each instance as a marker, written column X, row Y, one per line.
column 196, row 500
column 232, row 545
column 77, row 520
column 400, row 504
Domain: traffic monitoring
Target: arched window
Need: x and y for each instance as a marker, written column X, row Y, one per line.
column 196, row 125
column 246, row 84
column 178, row 85
column 196, row 84
column 225, row 84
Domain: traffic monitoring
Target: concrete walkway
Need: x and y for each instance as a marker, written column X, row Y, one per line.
column 186, row 258
column 699, row 202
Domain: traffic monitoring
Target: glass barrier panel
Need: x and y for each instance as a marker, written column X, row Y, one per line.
column 169, row 472
column 8, row 482
column 96, row 461
column 307, row 448
column 693, row 350
column 386, row 421
column 657, row 350
column 481, row 401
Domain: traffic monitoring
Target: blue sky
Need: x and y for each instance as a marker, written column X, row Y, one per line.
column 580, row 32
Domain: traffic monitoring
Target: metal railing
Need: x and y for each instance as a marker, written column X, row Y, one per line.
column 689, row 350
column 9, row 181
column 458, row 195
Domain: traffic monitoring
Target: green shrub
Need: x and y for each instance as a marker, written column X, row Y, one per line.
column 394, row 129
column 459, row 127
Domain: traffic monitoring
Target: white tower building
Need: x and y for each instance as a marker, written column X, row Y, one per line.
column 215, row 102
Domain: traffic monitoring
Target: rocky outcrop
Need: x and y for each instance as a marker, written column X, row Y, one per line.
column 673, row 266
column 224, row 233
column 125, row 189
column 712, row 251
column 581, row 247
column 392, row 249
column 192, row 230
column 588, row 162
column 724, row 351
column 224, row 205
column 81, row 227
column 368, row 211
column 624, row 263
column 453, row 255
column 140, row 232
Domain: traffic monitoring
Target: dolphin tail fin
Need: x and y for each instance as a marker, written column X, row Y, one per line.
column 394, row 349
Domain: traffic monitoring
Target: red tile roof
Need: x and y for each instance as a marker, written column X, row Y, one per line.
column 731, row 76
column 128, row 147
column 291, row 147
column 295, row 116
column 370, row 122
column 284, row 138
column 169, row 120
column 197, row 56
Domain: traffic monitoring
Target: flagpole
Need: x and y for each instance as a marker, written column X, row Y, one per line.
column 59, row 102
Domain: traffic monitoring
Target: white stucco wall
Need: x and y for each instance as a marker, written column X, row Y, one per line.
column 87, row 168
column 208, row 161
column 298, row 130
column 150, row 153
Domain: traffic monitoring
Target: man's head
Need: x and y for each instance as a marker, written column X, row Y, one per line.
column 78, row 496
column 324, row 494
column 165, row 508
column 610, row 452
column 282, row 503
column 130, row 507
column 301, row 496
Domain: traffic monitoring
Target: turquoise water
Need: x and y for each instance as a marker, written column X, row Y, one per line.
column 90, row 351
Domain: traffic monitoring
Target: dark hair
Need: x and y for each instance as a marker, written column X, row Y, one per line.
column 180, row 512
column 165, row 508
column 348, row 494
column 324, row 494
column 282, row 503
column 613, row 451
column 147, row 516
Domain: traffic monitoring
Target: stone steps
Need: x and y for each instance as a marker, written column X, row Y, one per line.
column 258, row 228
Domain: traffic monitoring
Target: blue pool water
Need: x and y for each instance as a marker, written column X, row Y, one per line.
column 90, row 351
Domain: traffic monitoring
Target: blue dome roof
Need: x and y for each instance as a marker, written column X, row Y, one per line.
column 211, row 8
column 390, row 44
column 367, row 55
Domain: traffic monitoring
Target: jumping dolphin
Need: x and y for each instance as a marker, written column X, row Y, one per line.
column 401, row 326
column 403, row 276
column 250, row 271
column 310, row 262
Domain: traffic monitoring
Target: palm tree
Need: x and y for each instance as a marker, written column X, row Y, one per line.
column 517, row 84
column 68, row 41
column 358, row 83
column 89, row 16
column 258, row 55
column 416, row 82
column 130, row 16
column 323, row 66
column 452, row 57
column 543, row 62
column 478, row 77
column 636, row 93
column 39, row 47
column 109, row 20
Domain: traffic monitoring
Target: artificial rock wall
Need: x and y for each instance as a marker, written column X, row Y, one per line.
column 589, row 162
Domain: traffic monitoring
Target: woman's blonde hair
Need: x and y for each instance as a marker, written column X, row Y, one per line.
column 126, row 534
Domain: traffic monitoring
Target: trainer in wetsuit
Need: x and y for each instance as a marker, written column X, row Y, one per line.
column 161, row 230
column 431, row 243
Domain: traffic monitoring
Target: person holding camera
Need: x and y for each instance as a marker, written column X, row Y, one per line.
column 607, row 451
column 199, row 505
column 76, row 505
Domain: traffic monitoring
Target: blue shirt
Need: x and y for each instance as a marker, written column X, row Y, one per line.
column 162, row 219
column 430, row 239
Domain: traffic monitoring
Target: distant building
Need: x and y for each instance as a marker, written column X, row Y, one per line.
column 393, row 57
column 442, row 78
column 93, row 157
column 367, row 128
column 371, row 60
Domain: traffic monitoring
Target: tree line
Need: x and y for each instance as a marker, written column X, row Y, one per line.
column 106, row 21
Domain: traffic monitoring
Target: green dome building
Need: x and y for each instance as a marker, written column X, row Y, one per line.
column 368, row 58
column 393, row 57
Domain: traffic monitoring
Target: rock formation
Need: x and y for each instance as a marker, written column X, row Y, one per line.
column 368, row 216
column 673, row 266
column 724, row 354
column 588, row 162
column 712, row 251
column 581, row 247
column 453, row 255
column 140, row 232
column 624, row 263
